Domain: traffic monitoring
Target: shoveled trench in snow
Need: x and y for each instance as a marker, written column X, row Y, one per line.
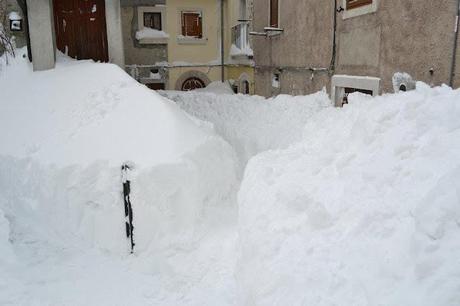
column 358, row 205
column 252, row 124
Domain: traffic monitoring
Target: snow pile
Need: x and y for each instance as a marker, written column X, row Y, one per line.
column 67, row 132
column 235, row 51
column 217, row 87
column 253, row 124
column 150, row 33
column 364, row 211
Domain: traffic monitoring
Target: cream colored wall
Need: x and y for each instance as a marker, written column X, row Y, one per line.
column 203, row 52
column 208, row 50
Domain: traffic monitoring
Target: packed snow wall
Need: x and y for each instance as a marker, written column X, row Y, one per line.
column 68, row 135
column 252, row 124
column 365, row 210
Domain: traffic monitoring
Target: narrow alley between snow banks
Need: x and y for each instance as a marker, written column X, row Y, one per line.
column 237, row 201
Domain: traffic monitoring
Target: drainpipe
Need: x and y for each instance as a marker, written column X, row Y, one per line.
column 454, row 53
column 222, row 43
column 23, row 5
column 334, row 40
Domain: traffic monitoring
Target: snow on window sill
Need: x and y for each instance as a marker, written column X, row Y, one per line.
column 187, row 40
column 363, row 10
column 153, row 41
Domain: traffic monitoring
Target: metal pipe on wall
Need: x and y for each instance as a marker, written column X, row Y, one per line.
column 454, row 51
column 222, row 42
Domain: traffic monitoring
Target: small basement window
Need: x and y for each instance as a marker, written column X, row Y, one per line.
column 349, row 90
column 344, row 85
column 192, row 24
column 352, row 4
column 354, row 8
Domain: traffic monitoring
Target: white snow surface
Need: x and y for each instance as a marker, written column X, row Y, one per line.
column 365, row 210
column 150, row 33
column 253, row 124
column 62, row 239
column 352, row 206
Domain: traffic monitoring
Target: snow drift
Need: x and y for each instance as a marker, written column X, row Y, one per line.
column 253, row 124
column 365, row 210
column 66, row 134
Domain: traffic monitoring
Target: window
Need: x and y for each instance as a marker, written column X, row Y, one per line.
column 153, row 20
column 192, row 24
column 351, row 4
column 192, row 83
column 343, row 85
column 151, row 25
column 354, row 8
column 274, row 13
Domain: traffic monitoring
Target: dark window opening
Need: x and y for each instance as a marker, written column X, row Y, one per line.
column 349, row 90
column 245, row 87
column 156, row 86
column 274, row 13
column 402, row 87
column 153, row 20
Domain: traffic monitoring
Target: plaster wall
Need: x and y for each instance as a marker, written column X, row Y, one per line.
column 410, row 36
column 135, row 53
column 203, row 51
column 41, row 29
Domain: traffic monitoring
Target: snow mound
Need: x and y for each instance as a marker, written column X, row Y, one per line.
column 67, row 133
column 364, row 211
column 253, row 124
column 218, row 88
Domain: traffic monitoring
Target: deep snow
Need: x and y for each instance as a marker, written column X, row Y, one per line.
column 365, row 210
column 66, row 133
column 252, row 124
column 352, row 206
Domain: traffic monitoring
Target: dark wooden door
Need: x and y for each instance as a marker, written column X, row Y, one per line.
column 80, row 27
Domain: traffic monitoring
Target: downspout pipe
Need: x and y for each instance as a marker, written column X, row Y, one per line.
column 454, row 52
column 222, row 42
column 23, row 5
column 334, row 40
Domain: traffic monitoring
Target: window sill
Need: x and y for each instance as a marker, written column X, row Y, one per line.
column 191, row 41
column 153, row 41
column 359, row 11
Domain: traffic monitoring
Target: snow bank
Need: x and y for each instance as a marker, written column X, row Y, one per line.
column 253, row 124
column 67, row 132
column 364, row 211
column 217, row 87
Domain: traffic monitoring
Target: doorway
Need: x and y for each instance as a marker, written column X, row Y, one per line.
column 80, row 27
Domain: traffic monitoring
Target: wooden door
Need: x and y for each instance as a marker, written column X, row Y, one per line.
column 80, row 27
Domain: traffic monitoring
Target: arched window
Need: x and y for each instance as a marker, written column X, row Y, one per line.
column 192, row 83
column 245, row 87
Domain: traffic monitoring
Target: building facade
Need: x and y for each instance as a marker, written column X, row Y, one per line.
column 177, row 44
column 374, row 46
column 164, row 44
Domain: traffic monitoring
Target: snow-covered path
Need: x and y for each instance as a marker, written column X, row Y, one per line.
column 242, row 201
column 252, row 124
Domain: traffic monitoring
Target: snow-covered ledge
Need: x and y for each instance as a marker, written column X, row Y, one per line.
column 363, row 10
column 340, row 82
